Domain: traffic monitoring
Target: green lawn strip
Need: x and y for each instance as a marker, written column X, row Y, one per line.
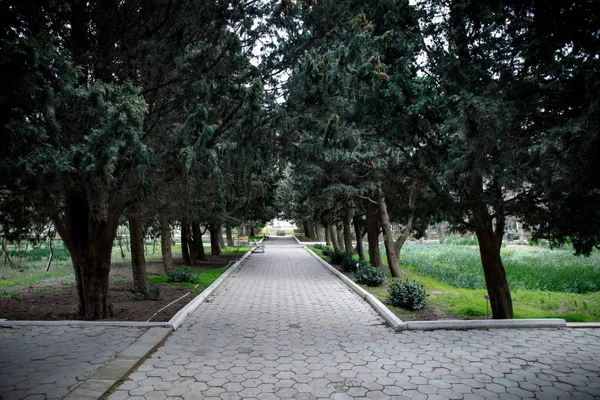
column 470, row 303
column 205, row 279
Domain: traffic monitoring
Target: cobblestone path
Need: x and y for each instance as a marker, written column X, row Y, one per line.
column 284, row 327
column 47, row 362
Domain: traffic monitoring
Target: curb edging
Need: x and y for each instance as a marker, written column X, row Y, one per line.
column 392, row 320
column 112, row 372
column 399, row 325
column 178, row 319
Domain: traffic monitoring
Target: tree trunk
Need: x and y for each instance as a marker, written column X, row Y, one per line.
column 333, row 236
column 340, row 236
column 221, row 240
column 230, row 241
column 89, row 239
column 319, row 232
column 348, row 237
column 490, row 243
column 388, row 238
column 357, row 231
column 165, row 245
column 185, row 243
column 252, row 233
column 215, row 243
column 327, row 235
column 306, row 230
column 138, row 259
column 198, row 253
column 373, row 234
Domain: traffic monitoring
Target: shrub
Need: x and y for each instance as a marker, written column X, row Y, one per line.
column 369, row 275
column 153, row 293
column 183, row 276
column 327, row 251
column 409, row 295
column 319, row 246
column 336, row 256
column 349, row 264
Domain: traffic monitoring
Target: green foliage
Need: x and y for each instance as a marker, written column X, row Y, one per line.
column 406, row 294
column 349, row 263
column 530, row 269
column 336, row 256
column 183, row 275
column 369, row 275
column 153, row 293
column 462, row 241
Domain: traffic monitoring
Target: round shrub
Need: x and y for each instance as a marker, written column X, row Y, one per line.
column 337, row 256
column 409, row 295
column 349, row 264
column 369, row 275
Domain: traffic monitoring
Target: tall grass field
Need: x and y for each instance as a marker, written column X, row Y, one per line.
column 527, row 267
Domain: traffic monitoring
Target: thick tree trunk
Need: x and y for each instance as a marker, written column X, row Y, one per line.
column 327, row 235
column 373, row 234
column 252, row 233
column 185, row 243
column 388, row 238
column 490, row 243
column 138, row 259
column 222, row 244
column 340, row 236
column 348, row 236
column 319, row 232
column 306, row 230
column 333, row 235
column 229, row 234
column 89, row 239
column 165, row 245
column 197, row 253
column 215, row 243
column 359, row 244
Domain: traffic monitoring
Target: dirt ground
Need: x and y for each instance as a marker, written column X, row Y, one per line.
column 56, row 299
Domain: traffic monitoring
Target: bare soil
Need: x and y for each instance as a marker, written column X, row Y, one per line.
column 56, row 299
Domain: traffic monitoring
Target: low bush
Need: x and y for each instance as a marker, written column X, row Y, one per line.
column 406, row 294
column 153, row 293
column 337, row 256
column 183, row 276
column 367, row 274
column 349, row 263
column 319, row 246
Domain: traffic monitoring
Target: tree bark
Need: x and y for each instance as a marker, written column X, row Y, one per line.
column 373, row 233
column 319, row 231
column 138, row 259
column 348, row 237
column 197, row 253
column 165, row 245
column 89, row 239
column 327, row 235
column 333, row 236
column 222, row 244
column 306, row 230
column 185, row 243
column 252, row 232
column 229, row 234
column 215, row 243
column 340, row 235
column 388, row 237
column 490, row 243
column 357, row 231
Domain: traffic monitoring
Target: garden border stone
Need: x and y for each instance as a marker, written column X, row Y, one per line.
column 399, row 325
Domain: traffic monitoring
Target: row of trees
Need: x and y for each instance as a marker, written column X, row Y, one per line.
column 456, row 110
column 146, row 112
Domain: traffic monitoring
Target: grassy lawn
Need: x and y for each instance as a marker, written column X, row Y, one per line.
column 544, row 283
column 205, row 279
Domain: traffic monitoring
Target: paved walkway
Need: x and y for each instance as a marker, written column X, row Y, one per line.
column 47, row 362
column 284, row 327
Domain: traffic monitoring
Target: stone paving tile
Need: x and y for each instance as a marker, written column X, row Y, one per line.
column 47, row 362
column 282, row 327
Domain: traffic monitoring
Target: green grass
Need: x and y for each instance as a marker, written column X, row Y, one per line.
column 205, row 279
column 529, row 268
column 464, row 302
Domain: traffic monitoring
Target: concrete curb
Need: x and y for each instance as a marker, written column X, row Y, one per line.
column 583, row 324
column 115, row 370
column 486, row 324
column 400, row 325
column 124, row 324
column 389, row 317
column 182, row 314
